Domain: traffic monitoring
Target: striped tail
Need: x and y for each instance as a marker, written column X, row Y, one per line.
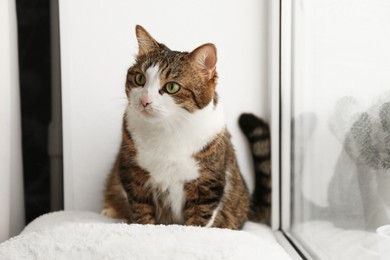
column 258, row 134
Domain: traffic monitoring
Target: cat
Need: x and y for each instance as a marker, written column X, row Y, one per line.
column 176, row 163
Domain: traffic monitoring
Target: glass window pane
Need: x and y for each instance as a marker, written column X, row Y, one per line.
column 340, row 127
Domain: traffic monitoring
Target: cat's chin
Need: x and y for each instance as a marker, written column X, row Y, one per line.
column 147, row 114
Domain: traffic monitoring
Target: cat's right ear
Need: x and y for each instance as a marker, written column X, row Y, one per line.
column 146, row 43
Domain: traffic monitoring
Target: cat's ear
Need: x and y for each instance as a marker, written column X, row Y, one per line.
column 146, row 43
column 205, row 58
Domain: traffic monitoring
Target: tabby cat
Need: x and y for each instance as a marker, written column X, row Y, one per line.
column 176, row 163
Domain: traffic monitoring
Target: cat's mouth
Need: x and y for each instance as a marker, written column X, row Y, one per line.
column 147, row 112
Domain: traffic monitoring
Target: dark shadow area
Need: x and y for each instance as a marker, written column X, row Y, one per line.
column 35, row 91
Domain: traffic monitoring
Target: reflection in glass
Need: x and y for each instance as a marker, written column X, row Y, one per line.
column 340, row 154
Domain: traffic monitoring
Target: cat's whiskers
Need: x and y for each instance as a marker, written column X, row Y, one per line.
column 179, row 119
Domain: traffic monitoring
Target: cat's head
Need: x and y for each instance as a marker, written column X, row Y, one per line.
column 163, row 82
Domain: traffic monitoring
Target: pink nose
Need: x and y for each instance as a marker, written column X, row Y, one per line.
column 145, row 101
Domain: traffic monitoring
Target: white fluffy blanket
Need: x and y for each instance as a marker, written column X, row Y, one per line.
column 88, row 235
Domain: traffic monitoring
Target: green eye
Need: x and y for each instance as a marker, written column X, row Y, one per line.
column 172, row 87
column 140, row 79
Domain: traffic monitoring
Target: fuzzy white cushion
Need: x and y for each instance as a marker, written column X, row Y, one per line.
column 88, row 235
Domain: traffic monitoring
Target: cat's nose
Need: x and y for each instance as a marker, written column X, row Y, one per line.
column 145, row 101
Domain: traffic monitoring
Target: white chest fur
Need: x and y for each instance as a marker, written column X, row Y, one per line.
column 165, row 149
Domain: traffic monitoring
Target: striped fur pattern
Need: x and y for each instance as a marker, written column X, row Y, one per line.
column 176, row 163
column 258, row 135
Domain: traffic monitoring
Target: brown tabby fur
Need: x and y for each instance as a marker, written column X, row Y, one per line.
column 220, row 188
column 258, row 135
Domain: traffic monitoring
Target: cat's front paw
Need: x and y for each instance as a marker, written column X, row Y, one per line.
column 109, row 212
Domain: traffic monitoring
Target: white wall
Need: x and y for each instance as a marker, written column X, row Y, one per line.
column 98, row 44
column 11, row 181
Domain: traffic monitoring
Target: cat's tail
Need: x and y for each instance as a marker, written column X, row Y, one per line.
column 258, row 134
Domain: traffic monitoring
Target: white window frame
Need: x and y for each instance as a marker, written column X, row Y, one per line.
column 281, row 71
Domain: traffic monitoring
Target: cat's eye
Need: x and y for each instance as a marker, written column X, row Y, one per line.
column 140, row 79
column 172, row 87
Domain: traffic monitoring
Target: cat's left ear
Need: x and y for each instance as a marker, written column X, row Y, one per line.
column 205, row 58
column 146, row 43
